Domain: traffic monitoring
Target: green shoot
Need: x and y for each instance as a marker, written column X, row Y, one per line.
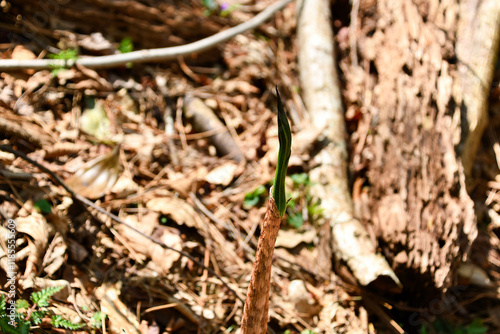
column 285, row 140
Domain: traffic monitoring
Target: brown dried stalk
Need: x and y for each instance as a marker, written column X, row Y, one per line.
column 257, row 303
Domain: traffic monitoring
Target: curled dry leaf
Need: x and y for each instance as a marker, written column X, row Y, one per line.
column 95, row 122
column 124, row 187
column 36, row 228
column 96, row 177
column 292, row 238
column 121, row 320
column 222, row 175
column 55, row 259
column 302, row 300
column 40, row 283
column 177, row 209
column 161, row 257
column 204, row 119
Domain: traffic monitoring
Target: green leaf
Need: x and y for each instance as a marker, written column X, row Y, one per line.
column 43, row 206
column 285, row 150
column 126, row 45
column 3, row 304
column 60, row 322
column 300, row 179
column 37, row 316
column 476, row 327
column 22, row 326
column 252, row 198
column 96, row 321
column 296, row 220
column 41, row 298
column 69, row 54
column 22, row 304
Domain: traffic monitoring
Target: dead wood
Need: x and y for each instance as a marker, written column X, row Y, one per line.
column 204, row 119
column 351, row 242
column 409, row 127
column 478, row 39
column 255, row 314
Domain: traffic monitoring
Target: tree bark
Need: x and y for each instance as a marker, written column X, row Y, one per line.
column 408, row 135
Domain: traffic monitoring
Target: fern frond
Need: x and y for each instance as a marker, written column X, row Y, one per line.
column 60, row 322
column 41, row 298
column 3, row 305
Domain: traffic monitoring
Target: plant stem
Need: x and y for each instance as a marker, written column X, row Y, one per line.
column 255, row 314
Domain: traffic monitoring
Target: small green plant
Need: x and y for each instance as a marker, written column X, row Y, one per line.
column 25, row 315
column 300, row 199
column 66, row 55
column 126, row 45
column 254, row 197
column 445, row 326
column 97, row 319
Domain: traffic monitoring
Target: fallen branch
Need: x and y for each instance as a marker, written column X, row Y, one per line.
column 149, row 55
column 351, row 242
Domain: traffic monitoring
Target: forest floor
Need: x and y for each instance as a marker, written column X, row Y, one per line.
column 197, row 146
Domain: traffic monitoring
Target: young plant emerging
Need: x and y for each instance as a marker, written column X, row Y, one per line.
column 254, row 319
column 285, row 139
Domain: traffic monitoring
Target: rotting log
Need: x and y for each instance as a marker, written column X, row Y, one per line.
column 408, row 135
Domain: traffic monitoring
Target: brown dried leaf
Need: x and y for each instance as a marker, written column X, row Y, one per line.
column 177, row 209
column 163, row 258
column 121, row 320
column 36, row 227
column 55, row 259
column 292, row 238
column 222, row 175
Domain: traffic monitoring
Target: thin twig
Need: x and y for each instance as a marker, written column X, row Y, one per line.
column 91, row 204
column 148, row 55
